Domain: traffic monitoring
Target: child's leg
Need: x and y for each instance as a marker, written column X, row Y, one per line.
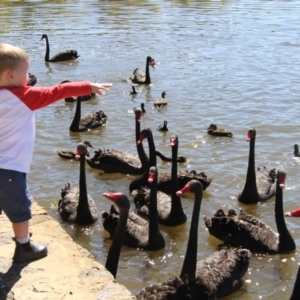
column 16, row 203
column 21, row 229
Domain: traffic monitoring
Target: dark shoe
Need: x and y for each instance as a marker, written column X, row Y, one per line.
column 28, row 252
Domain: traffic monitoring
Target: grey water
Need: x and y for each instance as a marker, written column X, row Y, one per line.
column 232, row 63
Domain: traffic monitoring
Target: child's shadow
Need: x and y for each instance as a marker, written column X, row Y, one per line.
column 8, row 279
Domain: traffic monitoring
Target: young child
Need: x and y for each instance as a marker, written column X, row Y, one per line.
column 17, row 133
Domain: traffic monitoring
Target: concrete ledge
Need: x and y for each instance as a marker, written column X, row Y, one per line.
column 68, row 272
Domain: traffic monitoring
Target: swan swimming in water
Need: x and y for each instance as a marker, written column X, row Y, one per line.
column 61, row 56
column 259, row 185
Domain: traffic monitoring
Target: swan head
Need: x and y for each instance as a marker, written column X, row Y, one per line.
column 44, row 36
column 145, row 133
column 119, row 199
column 152, row 174
column 251, row 134
column 192, row 186
column 173, row 140
column 138, row 114
column 281, row 175
column 81, row 150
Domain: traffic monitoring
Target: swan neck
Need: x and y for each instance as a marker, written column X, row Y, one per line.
column 140, row 148
column 147, row 72
column 175, row 200
column 153, row 215
column 279, row 214
column 47, row 50
column 113, row 255
column 76, row 120
column 83, row 197
column 190, row 259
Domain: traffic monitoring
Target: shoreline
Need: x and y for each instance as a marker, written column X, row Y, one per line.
column 68, row 272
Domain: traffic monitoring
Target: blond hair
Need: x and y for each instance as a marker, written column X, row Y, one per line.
column 11, row 57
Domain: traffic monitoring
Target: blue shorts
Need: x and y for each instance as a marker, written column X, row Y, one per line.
column 14, row 196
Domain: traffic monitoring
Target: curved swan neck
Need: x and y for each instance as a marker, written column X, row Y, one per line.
column 279, row 215
column 140, row 148
column 152, row 152
column 113, row 255
column 190, row 259
column 76, row 119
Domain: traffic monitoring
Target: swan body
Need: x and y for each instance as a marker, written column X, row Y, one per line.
column 217, row 276
column 165, row 182
column 163, row 127
column 87, row 121
column 170, row 212
column 139, row 233
column 83, row 98
column 68, row 154
column 213, row 130
column 76, row 205
column 165, row 179
column 61, row 56
column 31, row 80
column 116, row 161
column 250, row 232
column 296, row 151
column 113, row 255
column 160, row 102
column 140, row 76
column 259, row 185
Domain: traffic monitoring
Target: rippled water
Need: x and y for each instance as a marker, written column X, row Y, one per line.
column 232, row 63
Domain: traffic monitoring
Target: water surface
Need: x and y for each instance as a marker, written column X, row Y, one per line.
column 232, row 63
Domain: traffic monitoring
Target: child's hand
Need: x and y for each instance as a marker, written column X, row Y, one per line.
column 99, row 88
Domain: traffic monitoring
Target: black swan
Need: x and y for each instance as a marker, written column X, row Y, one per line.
column 170, row 212
column 113, row 255
column 296, row 289
column 75, row 204
column 61, row 56
column 163, row 127
column 83, row 98
column 213, row 130
column 139, row 233
column 141, row 77
column 296, row 151
column 69, row 154
column 219, row 275
column 259, row 186
column 164, row 179
column 250, row 232
column 222, row 271
column 31, row 80
column 160, row 102
column 116, row 161
column 143, row 108
column 87, row 121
